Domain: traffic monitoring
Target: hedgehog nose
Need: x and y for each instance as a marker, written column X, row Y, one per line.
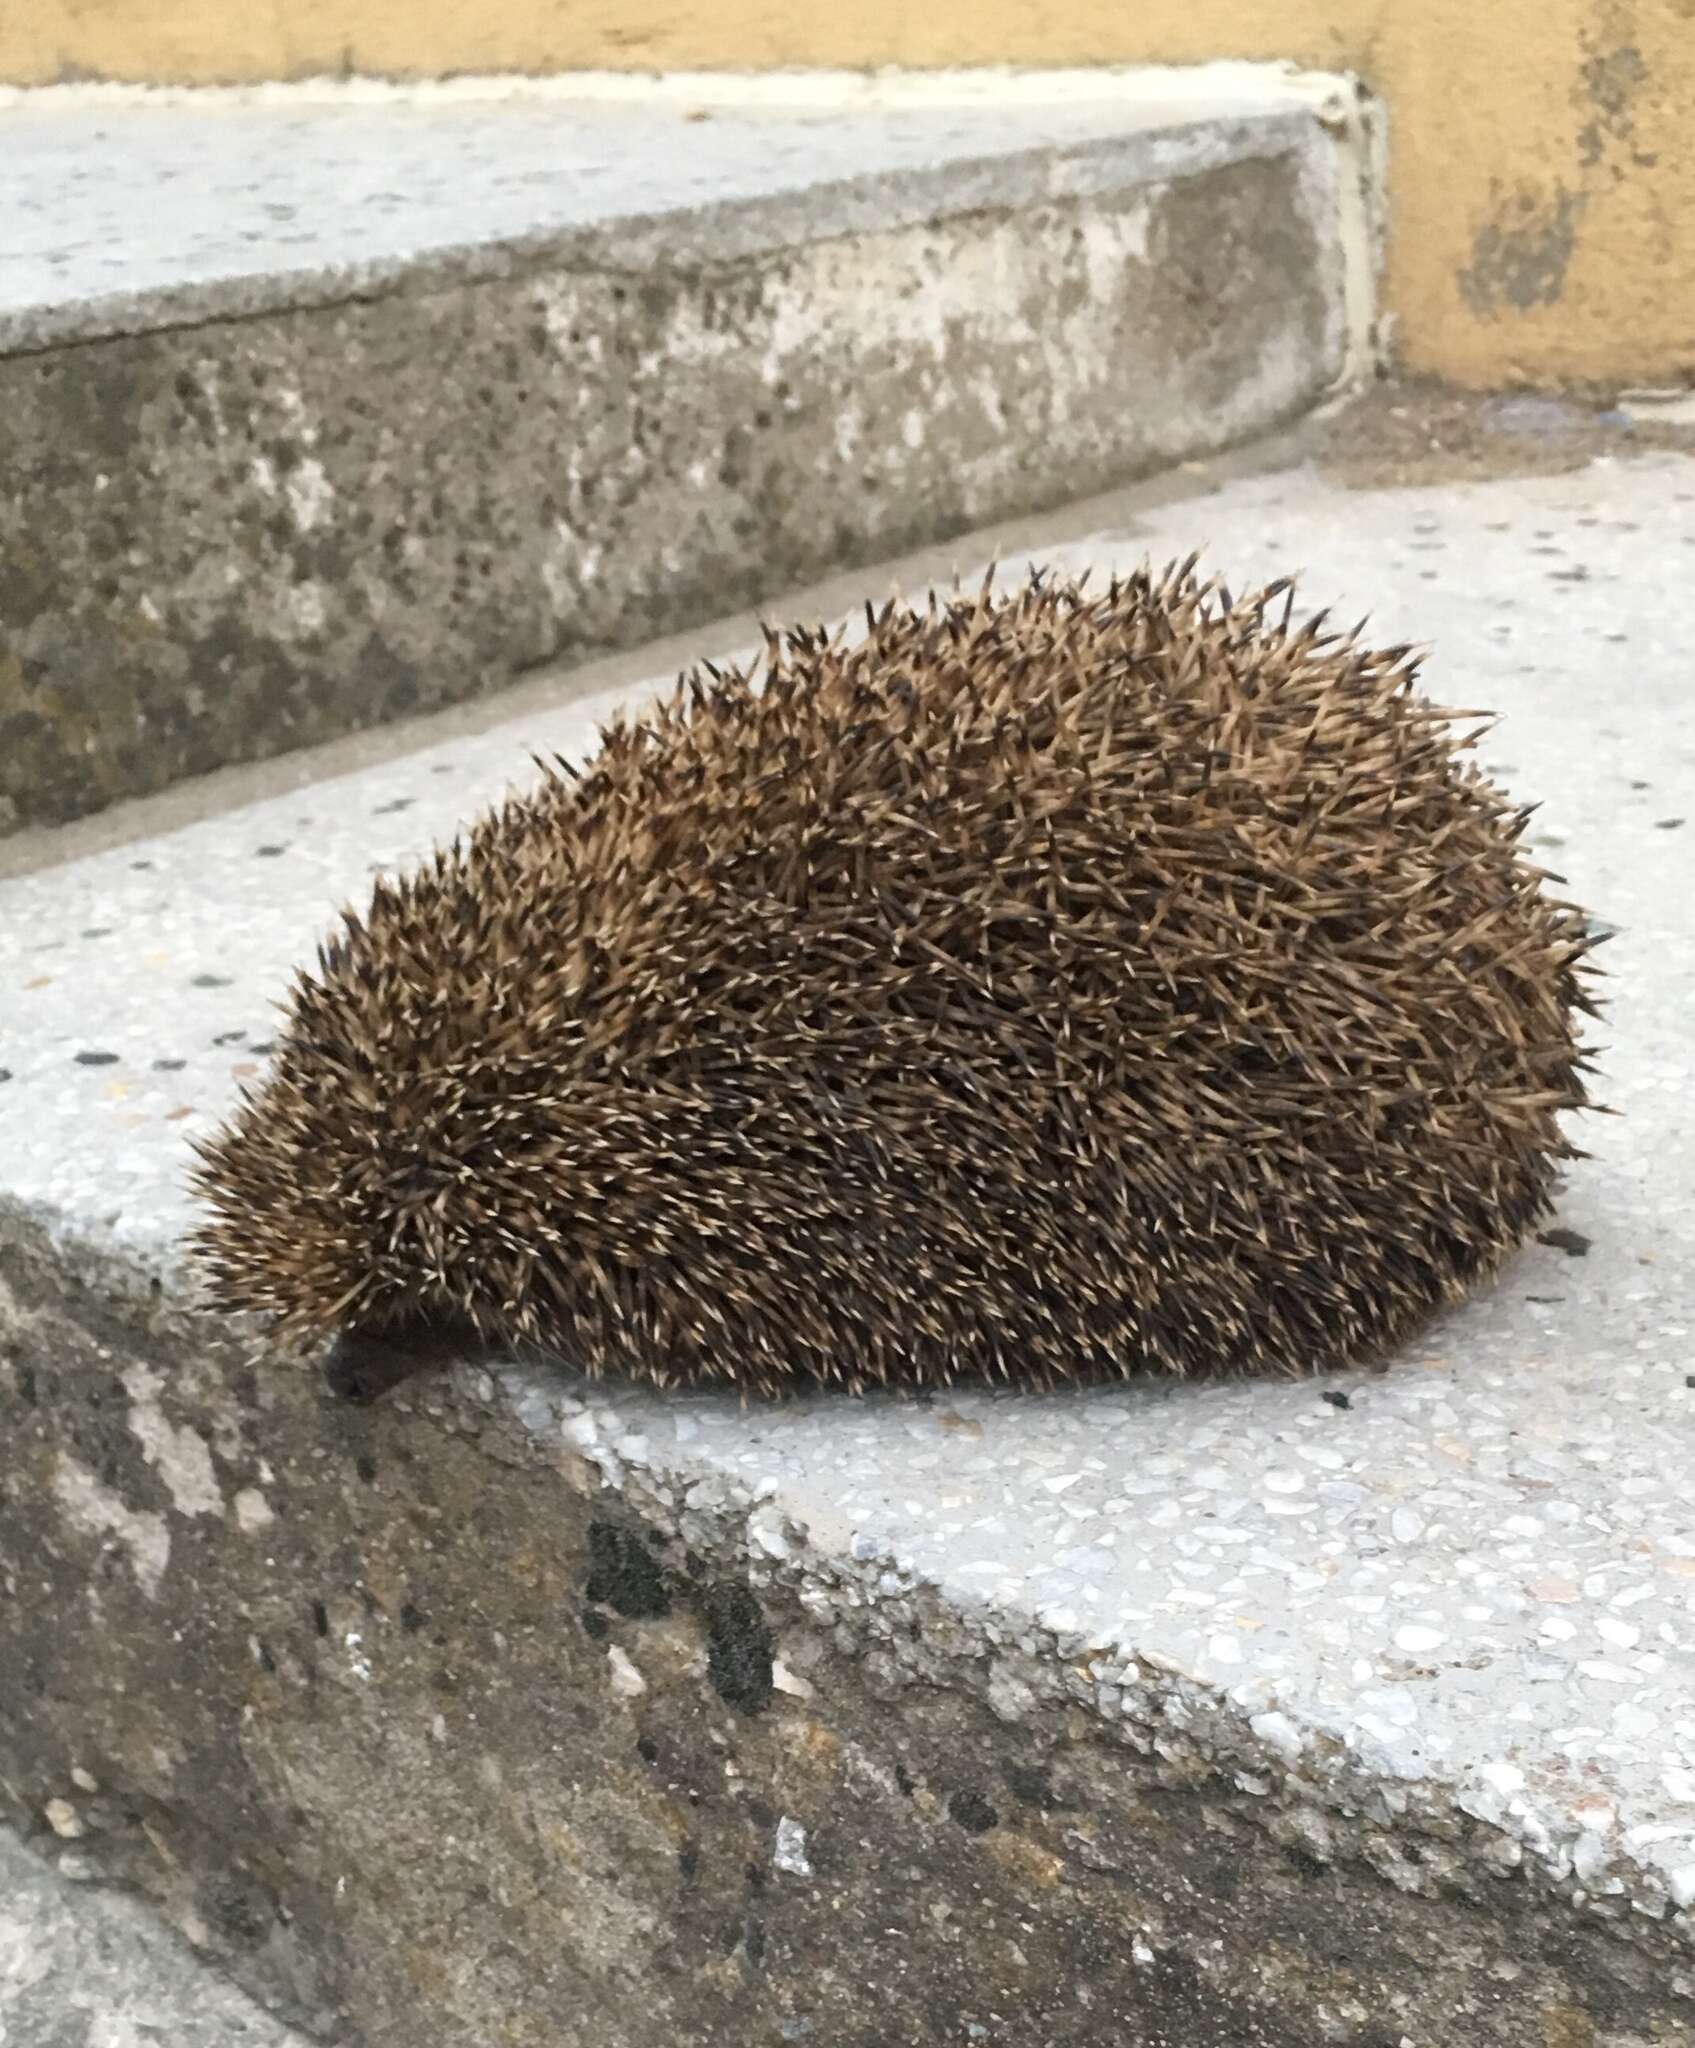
column 367, row 1362
column 361, row 1367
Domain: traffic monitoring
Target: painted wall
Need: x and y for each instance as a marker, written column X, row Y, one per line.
column 1542, row 152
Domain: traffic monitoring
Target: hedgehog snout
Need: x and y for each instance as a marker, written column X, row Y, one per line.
column 369, row 1360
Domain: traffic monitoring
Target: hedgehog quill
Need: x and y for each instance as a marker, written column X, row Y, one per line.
column 1048, row 986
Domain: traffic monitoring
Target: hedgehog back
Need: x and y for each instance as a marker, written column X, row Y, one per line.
column 1042, row 988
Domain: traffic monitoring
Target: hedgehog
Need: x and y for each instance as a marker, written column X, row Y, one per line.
column 1046, row 985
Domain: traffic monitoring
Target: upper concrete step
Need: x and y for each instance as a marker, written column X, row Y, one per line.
column 1355, row 1713
column 320, row 408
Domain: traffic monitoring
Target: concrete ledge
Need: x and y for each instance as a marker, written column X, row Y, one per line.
column 323, row 412
column 1144, row 1716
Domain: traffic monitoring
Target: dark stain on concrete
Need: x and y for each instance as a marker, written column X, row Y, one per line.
column 1032, row 1785
column 739, row 1650
column 624, row 1574
column 972, row 1811
column 1520, row 256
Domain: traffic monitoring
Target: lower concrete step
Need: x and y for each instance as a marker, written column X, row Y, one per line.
column 319, row 409
column 528, row 1711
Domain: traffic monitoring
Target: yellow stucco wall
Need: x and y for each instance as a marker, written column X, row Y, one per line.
column 1542, row 152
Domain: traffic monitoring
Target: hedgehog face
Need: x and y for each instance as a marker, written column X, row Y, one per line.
column 1044, row 988
column 390, row 1188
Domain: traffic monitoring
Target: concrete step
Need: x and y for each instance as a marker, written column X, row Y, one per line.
column 320, row 408
column 1144, row 1716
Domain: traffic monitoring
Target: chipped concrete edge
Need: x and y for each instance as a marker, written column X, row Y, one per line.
column 1298, row 1780
column 1303, row 1785
column 1231, row 109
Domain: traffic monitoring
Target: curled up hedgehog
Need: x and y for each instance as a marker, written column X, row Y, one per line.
column 1047, row 987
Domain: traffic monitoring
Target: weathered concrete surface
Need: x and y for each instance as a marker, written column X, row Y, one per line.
column 303, row 496
column 411, row 1715
column 1153, row 1715
column 82, row 1967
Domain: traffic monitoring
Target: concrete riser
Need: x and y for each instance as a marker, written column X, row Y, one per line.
column 228, row 539
column 401, row 1714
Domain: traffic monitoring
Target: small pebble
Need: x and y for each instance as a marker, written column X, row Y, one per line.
column 64, row 1820
column 627, row 1681
column 790, row 1852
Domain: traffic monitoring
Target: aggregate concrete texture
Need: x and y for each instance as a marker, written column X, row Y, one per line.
column 315, row 416
column 1358, row 1712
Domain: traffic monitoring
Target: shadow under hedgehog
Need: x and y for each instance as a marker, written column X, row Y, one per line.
column 1050, row 986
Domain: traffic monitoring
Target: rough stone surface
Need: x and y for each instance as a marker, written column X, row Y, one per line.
column 81, row 1967
column 630, row 377
column 1357, row 1712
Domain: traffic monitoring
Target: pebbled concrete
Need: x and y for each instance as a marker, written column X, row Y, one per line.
column 318, row 417
column 1354, row 1722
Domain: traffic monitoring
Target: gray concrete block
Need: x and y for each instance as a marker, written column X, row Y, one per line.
column 317, row 417
column 1146, row 1715
column 82, row 1967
